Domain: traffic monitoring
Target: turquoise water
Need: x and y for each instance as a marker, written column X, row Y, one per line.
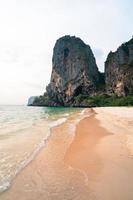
column 23, row 132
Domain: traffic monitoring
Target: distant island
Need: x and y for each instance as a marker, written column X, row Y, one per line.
column 77, row 82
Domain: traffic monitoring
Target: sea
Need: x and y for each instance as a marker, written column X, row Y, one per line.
column 23, row 132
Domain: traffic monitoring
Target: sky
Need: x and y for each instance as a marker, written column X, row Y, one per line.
column 30, row 28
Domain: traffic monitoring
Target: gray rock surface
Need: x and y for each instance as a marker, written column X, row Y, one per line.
column 119, row 70
column 75, row 77
column 74, row 70
column 31, row 100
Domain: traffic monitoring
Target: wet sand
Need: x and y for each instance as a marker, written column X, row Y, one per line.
column 95, row 164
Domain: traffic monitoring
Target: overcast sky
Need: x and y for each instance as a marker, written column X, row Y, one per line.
column 30, row 28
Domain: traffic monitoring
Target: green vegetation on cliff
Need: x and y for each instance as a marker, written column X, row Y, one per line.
column 89, row 101
column 104, row 100
column 41, row 100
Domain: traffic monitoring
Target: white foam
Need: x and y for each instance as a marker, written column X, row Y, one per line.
column 83, row 112
column 66, row 114
column 9, row 170
column 4, row 186
column 57, row 122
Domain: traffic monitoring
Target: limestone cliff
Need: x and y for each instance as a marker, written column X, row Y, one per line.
column 76, row 81
column 31, row 100
column 119, row 70
column 74, row 71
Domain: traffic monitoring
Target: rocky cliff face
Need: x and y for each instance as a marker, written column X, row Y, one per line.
column 74, row 71
column 31, row 100
column 75, row 79
column 119, row 70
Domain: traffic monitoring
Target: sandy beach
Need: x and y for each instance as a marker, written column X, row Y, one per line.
column 89, row 157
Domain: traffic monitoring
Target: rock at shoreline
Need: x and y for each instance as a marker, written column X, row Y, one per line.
column 31, row 100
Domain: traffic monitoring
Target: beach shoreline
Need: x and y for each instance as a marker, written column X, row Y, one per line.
column 87, row 157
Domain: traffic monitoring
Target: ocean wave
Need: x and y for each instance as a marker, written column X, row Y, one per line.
column 16, row 150
column 6, row 180
column 14, row 157
column 57, row 122
column 66, row 114
column 4, row 186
